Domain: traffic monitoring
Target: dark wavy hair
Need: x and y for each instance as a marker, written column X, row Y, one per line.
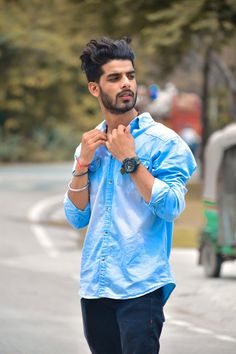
column 100, row 51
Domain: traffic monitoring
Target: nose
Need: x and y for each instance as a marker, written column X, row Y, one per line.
column 125, row 81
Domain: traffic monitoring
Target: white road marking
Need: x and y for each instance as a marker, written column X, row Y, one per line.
column 199, row 330
column 44, row 240
column 180, row 323
column 36, row 215
column 225, row 338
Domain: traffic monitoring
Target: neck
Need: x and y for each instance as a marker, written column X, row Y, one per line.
column 113, row 120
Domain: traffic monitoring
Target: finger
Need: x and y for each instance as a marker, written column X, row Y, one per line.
column 95, row 135
column 94, row 139
column 109, row 137
column 127, row 129
column 98, row 143
column 90, row 133
column 121, row 129
column 98, row 132
column 94, row 132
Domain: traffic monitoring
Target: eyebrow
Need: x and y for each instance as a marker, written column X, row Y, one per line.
column 116, row 74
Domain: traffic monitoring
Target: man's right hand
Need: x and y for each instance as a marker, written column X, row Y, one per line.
column 90, row 142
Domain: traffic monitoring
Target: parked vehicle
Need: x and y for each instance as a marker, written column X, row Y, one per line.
column 218, row 237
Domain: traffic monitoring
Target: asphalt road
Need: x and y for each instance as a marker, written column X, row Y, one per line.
column 39, row 268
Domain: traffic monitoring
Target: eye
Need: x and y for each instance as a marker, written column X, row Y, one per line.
column 131, row 76
column 113, row 78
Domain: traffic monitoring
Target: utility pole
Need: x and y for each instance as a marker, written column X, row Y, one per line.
column 205, row 100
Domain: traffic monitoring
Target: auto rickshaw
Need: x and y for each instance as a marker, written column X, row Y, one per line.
column 218, row 237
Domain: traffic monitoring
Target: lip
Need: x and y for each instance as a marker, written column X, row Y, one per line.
column 126, row 94
column 126, row 97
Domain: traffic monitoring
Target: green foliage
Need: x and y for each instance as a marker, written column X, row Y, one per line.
column 169, row 28
column 41, row 85
column 44, row 145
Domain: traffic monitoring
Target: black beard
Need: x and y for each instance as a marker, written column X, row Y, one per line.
column 112, row 108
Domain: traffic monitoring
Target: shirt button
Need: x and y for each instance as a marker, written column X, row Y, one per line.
column 108, row 209
column 110, row 181
column 106, row 232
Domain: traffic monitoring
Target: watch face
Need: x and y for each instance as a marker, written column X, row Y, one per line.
column 130, row 165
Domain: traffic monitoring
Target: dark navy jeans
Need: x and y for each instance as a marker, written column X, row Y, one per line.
column 130, row 326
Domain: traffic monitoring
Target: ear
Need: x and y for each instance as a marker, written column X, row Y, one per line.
column 93, row 89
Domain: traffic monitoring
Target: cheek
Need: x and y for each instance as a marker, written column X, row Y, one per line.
column 111, row 90
column 134, row 85
column 112, row 94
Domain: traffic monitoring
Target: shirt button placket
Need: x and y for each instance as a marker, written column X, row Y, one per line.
column 107, row 223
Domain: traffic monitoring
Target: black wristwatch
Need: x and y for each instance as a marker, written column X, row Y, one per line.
column 130, row 165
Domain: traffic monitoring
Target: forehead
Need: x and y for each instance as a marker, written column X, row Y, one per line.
column 117, row 66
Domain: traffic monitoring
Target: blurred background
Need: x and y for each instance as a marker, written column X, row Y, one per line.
column 44, row 104
column 186, row 70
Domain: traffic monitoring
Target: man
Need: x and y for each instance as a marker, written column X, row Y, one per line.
column 128, row 186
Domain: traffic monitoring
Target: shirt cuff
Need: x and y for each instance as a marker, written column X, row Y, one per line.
column 76, row 217
column 159, row 190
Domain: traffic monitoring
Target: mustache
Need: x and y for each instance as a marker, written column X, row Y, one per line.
column 126, row 92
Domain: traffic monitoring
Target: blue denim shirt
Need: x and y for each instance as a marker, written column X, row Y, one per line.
column 128, row 241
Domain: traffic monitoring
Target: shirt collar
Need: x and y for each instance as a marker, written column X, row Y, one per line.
column 141, row 121
column 145, row 120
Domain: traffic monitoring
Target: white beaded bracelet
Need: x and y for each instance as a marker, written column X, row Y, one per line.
column 77, row 189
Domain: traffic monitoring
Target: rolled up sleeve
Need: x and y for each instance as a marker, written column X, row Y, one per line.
column 76, row 217
column 167, row 202
column 172, row 168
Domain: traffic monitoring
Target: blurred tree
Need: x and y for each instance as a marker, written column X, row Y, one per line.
column 169, row 29
column 42, row 90
column 41, row 86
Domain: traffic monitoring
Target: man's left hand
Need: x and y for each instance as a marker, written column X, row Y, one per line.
column 120, row 143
